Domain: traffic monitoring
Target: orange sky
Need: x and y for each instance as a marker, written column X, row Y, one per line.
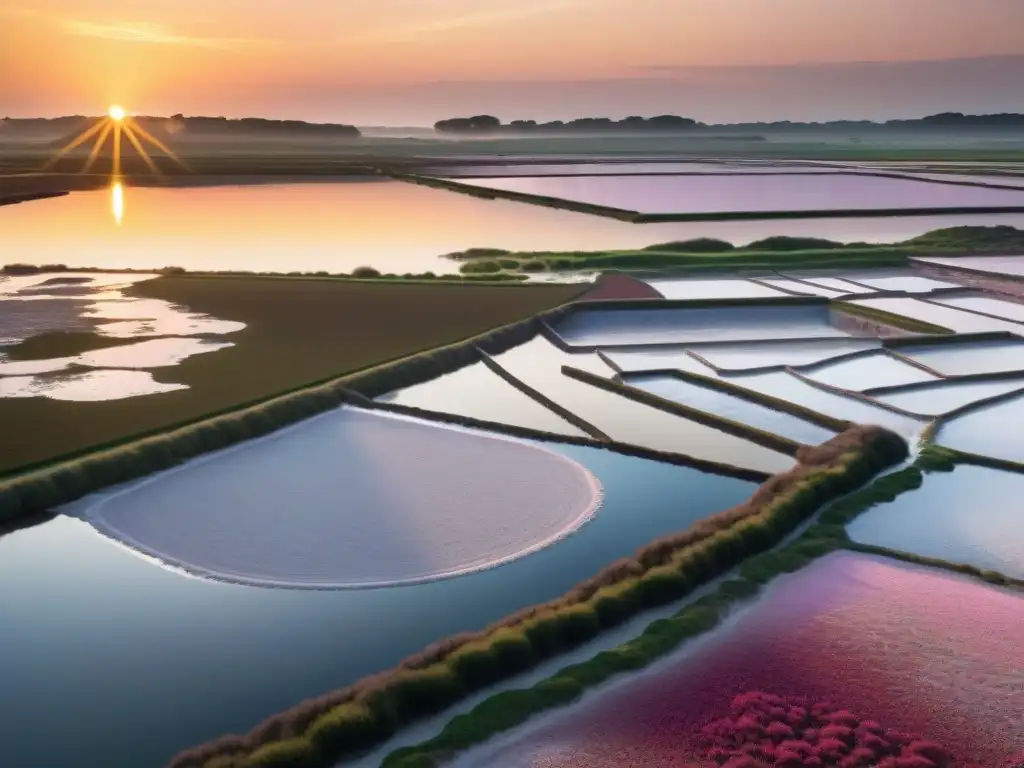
column 287, row 57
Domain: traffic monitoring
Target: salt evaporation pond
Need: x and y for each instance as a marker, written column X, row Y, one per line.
column 830, row 282
column 90, row 386
column 688, row 288
column 946, row 317
column 908, row 283
column 970, row 515
column 107, row 643
column 946, row 396
column 657, row 359
column 616, row 168
column 337, row 226
column 479, row 393
column 538, row 364
column 990, row 431
column 729, row 193
column 874, row 370
column 610, row 327
column 789, row 387
column 372, row 500
column 872, row 636
column 963, row 359
column 762, row 354
column 1005, row 309
column 734, row 408
column 998, row 265
column 796, row 286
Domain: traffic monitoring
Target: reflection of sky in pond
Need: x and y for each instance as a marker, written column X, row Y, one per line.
column 82, row 387
column 948, row 395
column 154, row 353
column 971, row 515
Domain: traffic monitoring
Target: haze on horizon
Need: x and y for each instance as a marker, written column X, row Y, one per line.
column 411, row 62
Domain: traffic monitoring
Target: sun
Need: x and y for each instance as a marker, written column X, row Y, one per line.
column 116, row 113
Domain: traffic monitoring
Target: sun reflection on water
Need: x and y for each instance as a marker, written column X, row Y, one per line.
column 117, row 201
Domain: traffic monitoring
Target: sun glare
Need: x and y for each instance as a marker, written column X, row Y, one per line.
column 116, row 123
column 117, row 201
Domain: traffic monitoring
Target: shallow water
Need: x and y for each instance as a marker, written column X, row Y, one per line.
column 970, row 515
column 599, row 169
column 769, row 353
column 947, row 396
column 1003, row 265
column 85, row 387
column 795, row 286
column 963, row 359
column 876, row 370
column 1007, row 309
column 909, row 283
column 790, row 388
column 832, row 283
column 384, row 500
column 107, row 643
column 990, row 431
column 338, row 226
column 889, row 642
column 947, row 317
column 683, row 288
column 476, row 391
column 708, row 194
column 734, row 408
column 538, row 363
column 664, row 358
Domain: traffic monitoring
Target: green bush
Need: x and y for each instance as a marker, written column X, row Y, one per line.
column 533, row 265
column 479, row 267
column 786, row 243
column 696, row 245
column 364, row 272
column 350, row 727
column 292, row 753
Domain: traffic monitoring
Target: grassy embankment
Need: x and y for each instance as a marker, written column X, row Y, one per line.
column 709, row 255
column 509, row 709
column 298, row 334
column 319, row 732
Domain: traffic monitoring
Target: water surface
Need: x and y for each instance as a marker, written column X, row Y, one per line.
column 970, row 515
column 682, row 288
column 720, row 193
column 975, row 357
column 99, row 645
column 990, row 431
column 734, row 408
column 946, row 396
column 875, row 370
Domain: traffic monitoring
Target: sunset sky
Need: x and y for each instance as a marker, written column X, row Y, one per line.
column 411, row 62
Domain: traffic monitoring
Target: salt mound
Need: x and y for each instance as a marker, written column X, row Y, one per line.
column 353, row 499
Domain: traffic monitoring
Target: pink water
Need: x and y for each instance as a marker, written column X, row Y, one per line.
column 916, row 650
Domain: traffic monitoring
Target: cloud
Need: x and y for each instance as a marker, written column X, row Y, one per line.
column 147, row 32
column 476, row 18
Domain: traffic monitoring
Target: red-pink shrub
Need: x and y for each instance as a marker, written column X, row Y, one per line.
column 842, row 732
column 914, row 761
column 778, row 731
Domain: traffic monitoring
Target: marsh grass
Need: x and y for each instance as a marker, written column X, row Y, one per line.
column 348, row 721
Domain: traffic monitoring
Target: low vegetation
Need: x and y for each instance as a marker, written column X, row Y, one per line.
column 795, row 732
column 890, row 319
column 704, row 254
column 298, row 333
column 319, row 732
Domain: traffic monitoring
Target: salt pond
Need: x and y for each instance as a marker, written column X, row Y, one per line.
column 989, row 431
column 872, row 636
column 970, row 515
column 908, row 283
column 874, row 370
column 773, row 353
column 479, row 393
column 790, row 388
column 337, row 226
column 681, row 326
column 224, row 656
column 683, row 288
column 600, row 169
column 946, row 317
column 796, row 286
column 975, row 357
column 1000, row 265
column 1007, row 309
column 720, row 193
column 731, row 407
column 945, row 396
column 538, row 363
column 836, row 284
column 372, row 500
